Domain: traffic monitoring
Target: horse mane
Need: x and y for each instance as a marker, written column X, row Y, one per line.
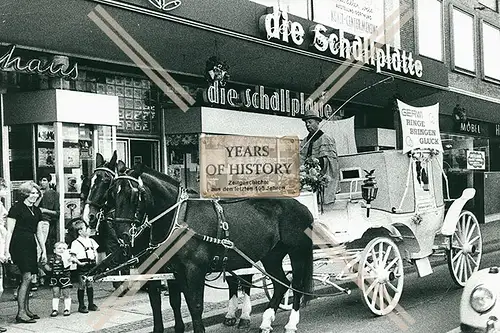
column 160, row 176
column 166, row 178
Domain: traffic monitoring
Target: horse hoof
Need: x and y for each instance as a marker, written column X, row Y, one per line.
column 244, row 323
column 229, row 321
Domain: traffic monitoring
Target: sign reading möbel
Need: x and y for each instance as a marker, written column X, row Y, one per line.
column 420, row 127
column 247, row 166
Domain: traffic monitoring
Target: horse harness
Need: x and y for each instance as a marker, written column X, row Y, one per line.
column 222, row 235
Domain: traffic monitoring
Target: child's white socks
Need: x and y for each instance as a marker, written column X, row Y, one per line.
column 55, row 304
column 67, row 304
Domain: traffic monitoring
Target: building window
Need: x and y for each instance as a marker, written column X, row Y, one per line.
column 463, row 40
column 491, row 49
column 491, row 4
column 430, row 28
column 295, row 7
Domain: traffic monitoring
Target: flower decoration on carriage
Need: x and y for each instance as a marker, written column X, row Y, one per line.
column 216, row 70
column 417, row 219
column 311, row 178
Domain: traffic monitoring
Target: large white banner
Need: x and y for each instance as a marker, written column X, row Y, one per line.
column 420, row 127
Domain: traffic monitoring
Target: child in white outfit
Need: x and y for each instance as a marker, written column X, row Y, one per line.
column 85, row 250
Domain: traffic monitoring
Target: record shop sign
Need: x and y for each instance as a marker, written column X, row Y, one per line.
column 334, row 42
column 245, row 166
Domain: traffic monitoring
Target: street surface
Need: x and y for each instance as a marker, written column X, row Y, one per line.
column 432, row 305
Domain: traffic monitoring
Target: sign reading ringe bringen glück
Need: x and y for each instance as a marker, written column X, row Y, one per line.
column 420, row 126
column 278, row 26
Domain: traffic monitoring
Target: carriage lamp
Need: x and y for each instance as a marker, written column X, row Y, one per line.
column 369, row 190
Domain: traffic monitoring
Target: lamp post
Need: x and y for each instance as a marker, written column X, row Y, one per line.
column 369, row 190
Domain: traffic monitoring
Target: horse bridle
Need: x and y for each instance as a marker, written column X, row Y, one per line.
column 101, row 215
column 113, row 176
column 136, row 222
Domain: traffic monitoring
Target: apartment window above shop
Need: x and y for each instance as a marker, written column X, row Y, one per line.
column 430, row 28
column 463, row 40
column 295, row 7
column 491, row 4
column 490, row 39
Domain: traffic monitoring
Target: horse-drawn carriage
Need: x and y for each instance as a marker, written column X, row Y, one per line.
column 366, row 237
column 408, row 222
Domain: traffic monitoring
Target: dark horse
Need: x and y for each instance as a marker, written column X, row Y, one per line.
column 96, row 215
column 260, row 229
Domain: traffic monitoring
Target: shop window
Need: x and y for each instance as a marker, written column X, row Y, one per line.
column 430, row 28
column 294, row 7
column 491, row 49
column 491, row 4
column 463, row 40
column 21, row 152
column 183, row 159
column 462, row 156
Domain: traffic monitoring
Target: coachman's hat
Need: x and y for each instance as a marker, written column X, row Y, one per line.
column 312, row 114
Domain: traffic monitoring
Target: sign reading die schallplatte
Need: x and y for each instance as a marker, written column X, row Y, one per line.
column 247, row 166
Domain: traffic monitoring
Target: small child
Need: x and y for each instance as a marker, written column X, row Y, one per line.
column 85, row 250
column 60, row 280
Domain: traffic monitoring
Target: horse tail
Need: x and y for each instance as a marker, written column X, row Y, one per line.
column 308, row 282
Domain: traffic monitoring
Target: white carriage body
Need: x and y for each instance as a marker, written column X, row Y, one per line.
column 403, row 206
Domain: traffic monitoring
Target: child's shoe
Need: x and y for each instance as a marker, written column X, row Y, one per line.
column 54, row 313
column 66, row 313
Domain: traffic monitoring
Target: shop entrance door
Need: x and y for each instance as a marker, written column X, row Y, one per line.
column 144, row 151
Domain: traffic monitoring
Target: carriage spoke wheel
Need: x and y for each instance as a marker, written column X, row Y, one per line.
column 466, row 248
column 381, row 275
column 285, row 303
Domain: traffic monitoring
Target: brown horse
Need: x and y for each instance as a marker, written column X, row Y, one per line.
column 260, row 229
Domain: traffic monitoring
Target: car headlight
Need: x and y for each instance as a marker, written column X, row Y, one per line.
column 482, row 299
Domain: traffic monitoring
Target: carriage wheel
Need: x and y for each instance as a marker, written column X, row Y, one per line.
column 466, row 248
column 285, row 303
column 381, row 275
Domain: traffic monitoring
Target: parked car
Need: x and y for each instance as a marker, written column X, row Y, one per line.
column 479, row 307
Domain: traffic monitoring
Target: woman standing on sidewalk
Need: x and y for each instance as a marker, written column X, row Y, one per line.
column 22, row 238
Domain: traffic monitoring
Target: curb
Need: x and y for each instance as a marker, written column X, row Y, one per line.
column 216, row 317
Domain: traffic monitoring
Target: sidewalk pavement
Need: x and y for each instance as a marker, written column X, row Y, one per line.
column 133, row 313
